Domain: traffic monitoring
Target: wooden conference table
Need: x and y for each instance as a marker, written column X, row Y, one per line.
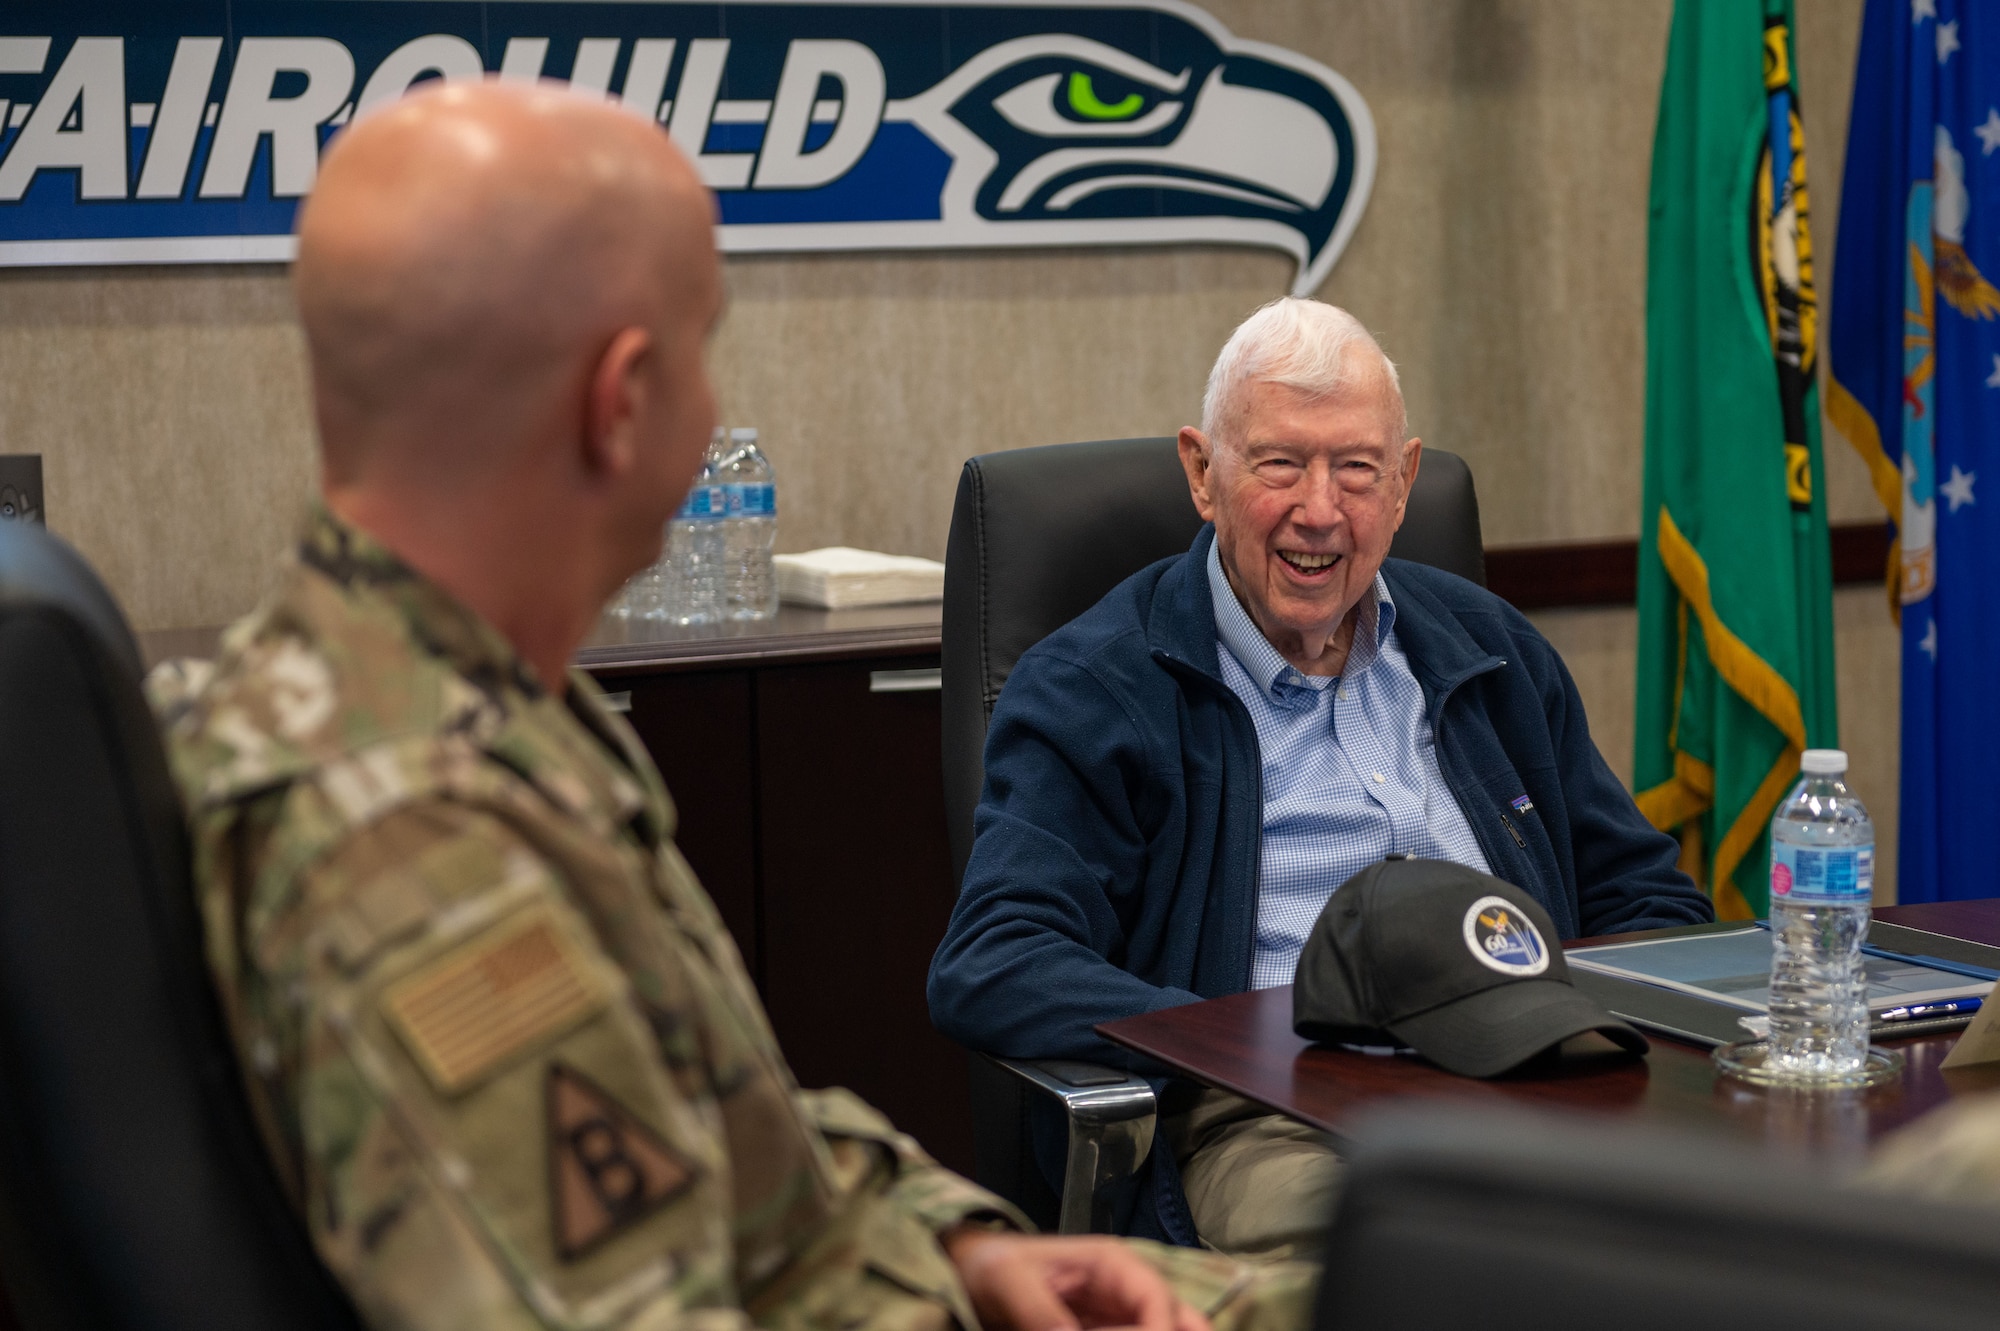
column 1244, row 1043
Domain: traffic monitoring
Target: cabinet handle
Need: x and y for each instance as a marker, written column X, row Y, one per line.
column 906, row 681
column 620, row 701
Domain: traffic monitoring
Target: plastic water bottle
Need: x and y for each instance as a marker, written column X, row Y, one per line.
column 749, row 579
column 620, row 605
column 651, row 592
column 646, row 593
column 1822, row 875
column 631, row 600
column 693, row 590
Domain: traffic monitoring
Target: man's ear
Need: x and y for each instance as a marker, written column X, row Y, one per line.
column 1413, row 453
column 618, row 396
column 1198, row 461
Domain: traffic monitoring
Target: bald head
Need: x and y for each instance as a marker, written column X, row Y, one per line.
column 465, row 257
column 507, row 293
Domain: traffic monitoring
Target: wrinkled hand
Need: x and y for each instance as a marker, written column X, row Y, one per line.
column 1060, row 1284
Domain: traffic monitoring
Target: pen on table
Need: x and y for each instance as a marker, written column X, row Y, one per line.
column 1919, row 1011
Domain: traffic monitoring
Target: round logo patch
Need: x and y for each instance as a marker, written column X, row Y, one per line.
column 1503, row 938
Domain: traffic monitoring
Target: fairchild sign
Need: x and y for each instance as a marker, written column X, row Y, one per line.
column 151, row 131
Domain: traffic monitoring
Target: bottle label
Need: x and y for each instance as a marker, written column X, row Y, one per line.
column 753, row 500
column 705, row 502
column 1844, row 875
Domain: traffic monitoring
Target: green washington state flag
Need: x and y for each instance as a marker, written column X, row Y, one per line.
column 1735, row 588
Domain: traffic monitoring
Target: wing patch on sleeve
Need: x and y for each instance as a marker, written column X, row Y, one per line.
column 468, row 1013
column 607, row 1170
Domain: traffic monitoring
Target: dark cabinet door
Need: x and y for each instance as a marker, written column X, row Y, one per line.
column 698, row 726
column 857, row 889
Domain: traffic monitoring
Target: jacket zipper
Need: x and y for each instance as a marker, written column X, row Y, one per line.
column 1437, row 740
column 1508, row 824
column 1230, row 699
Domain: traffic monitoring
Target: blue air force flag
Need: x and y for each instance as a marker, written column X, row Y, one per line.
column 1915, row 341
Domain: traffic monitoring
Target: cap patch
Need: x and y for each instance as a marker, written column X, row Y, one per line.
column 1503, row 938
column 607, row 1170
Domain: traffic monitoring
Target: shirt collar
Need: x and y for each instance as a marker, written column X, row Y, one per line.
column 437, row 626
column 1279, row 680
column 438, row 622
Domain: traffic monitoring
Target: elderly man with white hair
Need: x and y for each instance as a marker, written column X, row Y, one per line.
column 1179, row 779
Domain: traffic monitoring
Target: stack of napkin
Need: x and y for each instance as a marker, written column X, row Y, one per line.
column 838, row 578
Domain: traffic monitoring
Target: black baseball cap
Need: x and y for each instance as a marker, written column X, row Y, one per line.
column 1462, row 967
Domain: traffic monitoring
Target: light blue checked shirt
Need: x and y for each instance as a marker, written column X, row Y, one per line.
column 1350, row 770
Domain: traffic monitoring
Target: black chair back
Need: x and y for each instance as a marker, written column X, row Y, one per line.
column 1038, row 536
column 134, row 1188
column 1456, row 1218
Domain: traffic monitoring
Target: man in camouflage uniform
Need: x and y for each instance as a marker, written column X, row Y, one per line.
column 501, row 1046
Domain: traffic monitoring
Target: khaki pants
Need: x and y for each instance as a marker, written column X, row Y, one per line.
column 1259, row 1185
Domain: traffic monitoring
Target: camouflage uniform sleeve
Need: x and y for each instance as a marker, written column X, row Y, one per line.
column 487, row 1131
column 926, row 1190
column 173, row 686
column 1951, row 1153
column 1233, row 1295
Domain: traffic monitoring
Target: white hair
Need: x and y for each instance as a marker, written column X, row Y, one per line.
column 1301, row 344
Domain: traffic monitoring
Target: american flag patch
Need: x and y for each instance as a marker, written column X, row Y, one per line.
column 466, row 1015
column 1522, row 804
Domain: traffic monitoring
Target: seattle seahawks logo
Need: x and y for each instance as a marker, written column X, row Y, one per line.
column 171, row 130
column 1503, row 938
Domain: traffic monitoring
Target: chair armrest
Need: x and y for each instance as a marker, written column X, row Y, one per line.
column 1111, row 1120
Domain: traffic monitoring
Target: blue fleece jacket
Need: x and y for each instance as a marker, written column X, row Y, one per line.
column 1114, row 866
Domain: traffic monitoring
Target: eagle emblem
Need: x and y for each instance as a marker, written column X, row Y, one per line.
column 1958, row 278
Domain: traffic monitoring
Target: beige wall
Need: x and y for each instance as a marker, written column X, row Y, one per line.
column 1501, row 259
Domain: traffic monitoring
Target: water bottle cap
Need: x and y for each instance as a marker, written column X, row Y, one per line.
column 743, row 434
column 1823, row 762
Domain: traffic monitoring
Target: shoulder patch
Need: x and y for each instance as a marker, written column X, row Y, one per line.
column 607, row 1170
column 464, row 1015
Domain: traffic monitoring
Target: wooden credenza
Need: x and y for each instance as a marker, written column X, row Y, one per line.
column 803, row 757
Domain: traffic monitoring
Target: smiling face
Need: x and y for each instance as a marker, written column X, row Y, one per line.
column 1305, row 497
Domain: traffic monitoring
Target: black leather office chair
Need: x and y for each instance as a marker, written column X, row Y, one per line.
column 1471, row 1218
column 1038, row 536
column 134, row 1189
